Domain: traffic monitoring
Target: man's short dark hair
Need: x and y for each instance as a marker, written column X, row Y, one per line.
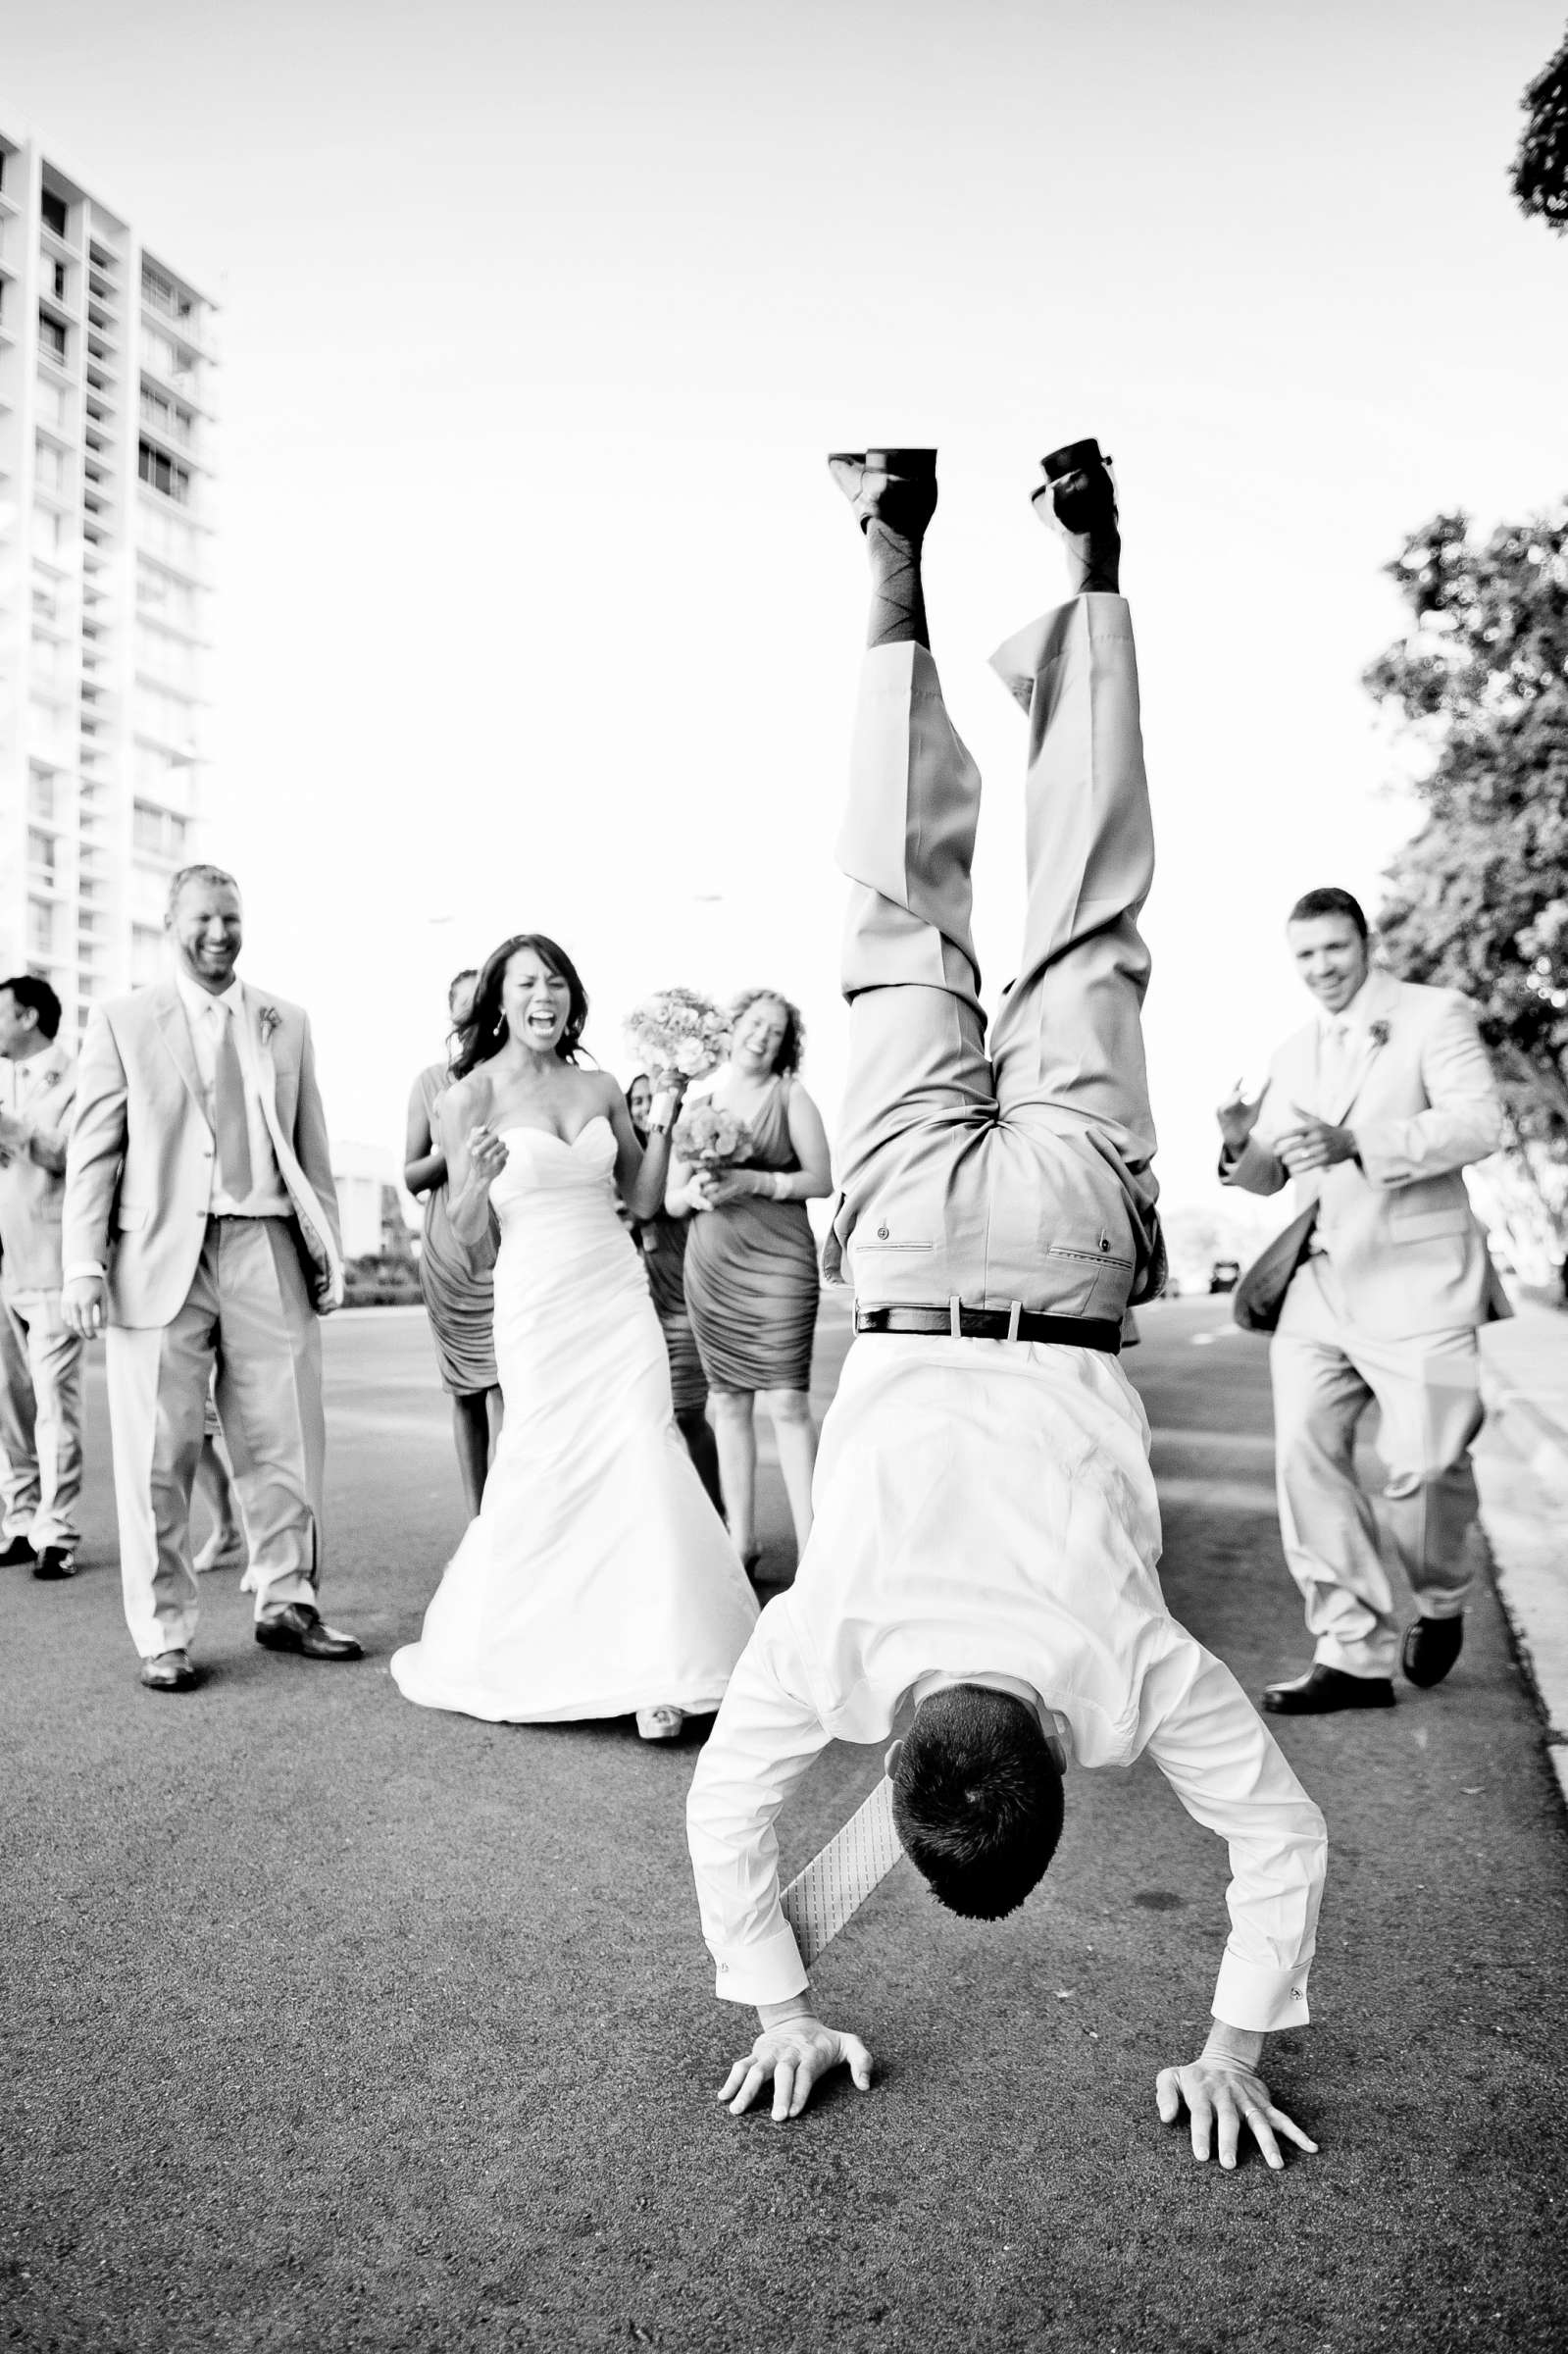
column 32, row 992
column 201, row 872
column 1329, row 901
column 978, row 1800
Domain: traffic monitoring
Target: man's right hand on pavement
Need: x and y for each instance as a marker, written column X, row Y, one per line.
column 794, row 2055
column 85, row 1305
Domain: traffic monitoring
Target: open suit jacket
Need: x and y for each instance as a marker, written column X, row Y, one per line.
column 1417, row 1094
column 139, row 1163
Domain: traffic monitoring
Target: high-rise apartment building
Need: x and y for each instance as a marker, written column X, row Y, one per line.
column 106, row 418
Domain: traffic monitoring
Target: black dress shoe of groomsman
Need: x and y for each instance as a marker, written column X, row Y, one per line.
column 301, row 1628
column 55, row 1561
column 1324, row 1689
column 1431, row 1647
column 169, row 1672
column 18, row 1555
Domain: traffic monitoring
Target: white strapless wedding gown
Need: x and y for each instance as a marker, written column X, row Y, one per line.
column 597, row 1578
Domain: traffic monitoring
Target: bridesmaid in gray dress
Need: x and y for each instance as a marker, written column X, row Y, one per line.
column 457, row 1284
column 751, row 1264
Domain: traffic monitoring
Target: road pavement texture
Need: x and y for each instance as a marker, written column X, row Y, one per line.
column 337, row 2025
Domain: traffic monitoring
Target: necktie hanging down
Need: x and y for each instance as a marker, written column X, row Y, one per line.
column 230, row 1124
column 835, row 1883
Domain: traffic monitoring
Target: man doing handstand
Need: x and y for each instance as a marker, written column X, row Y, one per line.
column 981, row 1567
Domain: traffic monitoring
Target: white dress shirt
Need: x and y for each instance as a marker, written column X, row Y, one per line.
column 986, row 1510
column 206, row 1015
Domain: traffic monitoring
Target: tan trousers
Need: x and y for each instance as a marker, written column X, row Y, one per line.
column 40, row 1419
column 1428, row 1389
column 249, row 1312
column 1022, row 1175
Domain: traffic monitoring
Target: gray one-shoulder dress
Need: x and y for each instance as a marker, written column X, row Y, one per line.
column 751, row 1273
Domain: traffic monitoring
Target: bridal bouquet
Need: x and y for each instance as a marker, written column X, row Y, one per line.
column 679, row 1030
column 707, row 1137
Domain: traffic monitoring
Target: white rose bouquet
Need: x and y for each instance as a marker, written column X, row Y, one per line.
column 679, row 1030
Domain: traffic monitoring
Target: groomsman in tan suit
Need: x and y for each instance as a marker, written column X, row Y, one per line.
column 1374, row 1109
column 40, row 1357
column 201, row 1226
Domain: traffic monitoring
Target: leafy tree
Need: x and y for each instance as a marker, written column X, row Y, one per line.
column 1478, row 898
column 1541, row 168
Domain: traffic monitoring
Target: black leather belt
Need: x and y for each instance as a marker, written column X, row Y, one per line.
column 995, row 1324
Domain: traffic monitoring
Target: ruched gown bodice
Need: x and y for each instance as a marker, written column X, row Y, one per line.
column 597, row 1578
column 751, row 1274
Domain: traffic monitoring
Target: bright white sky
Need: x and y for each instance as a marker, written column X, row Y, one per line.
column 537, row 607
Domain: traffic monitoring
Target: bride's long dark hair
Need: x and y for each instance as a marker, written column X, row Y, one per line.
column 485, row 1032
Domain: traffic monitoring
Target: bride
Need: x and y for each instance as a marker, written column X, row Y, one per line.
column 597, row 1581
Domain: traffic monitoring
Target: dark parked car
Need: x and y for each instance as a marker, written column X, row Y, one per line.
column 1225, row 1274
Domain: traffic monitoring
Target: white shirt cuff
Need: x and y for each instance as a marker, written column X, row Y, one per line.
column 80, row 1268
column 1250, row 1994
column 769, row 1972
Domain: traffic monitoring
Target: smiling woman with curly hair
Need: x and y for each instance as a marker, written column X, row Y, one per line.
column 751, row 1262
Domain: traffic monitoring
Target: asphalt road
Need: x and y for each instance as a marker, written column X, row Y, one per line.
column 333, row 2024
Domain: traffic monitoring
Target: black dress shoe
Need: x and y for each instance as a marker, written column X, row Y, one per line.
column 1077, row 498
column 894, row 487
column 169, row 1672
column 1323, row 1689
column 55, row 1561
column 18, row 1555
column 1431, row 1647
column 301, row 1628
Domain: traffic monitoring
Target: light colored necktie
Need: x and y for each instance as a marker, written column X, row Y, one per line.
column 1334, row 1056
column 230, row 1125
column 837, row 1882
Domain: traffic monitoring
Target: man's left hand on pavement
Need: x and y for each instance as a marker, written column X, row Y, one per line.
column 794, row 2055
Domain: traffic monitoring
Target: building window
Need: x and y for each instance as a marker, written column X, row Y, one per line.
column 175, row 365
column 52, row 401
column 161, row 474
column 57, row 279
column 41, row 852
column 55, row 214
column 173, row 600
column 146, row 954
column 42, row 800
column 158, row 833
column 165, row 416
column 52, row 335
column 160, row 292
column 40, row 928
column 49, row 463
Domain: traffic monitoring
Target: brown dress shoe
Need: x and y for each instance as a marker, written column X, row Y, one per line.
column 169, row 1671
column 301, row 1627
column 55, row 1561
column 1324, row 1689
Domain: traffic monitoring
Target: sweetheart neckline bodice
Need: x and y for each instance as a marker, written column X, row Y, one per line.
column 567, row 1142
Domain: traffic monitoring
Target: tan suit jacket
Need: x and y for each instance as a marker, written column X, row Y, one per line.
column 1417, row 1094
column 139, row 1167
column 30, row 1193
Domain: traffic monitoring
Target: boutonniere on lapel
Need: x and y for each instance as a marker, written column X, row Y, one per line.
column 272, row 1019
column 1378, row 1032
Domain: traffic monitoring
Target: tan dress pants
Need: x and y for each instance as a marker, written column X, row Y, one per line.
column 1427, row 1388
column 248, row 1311
column 1020, row 1174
